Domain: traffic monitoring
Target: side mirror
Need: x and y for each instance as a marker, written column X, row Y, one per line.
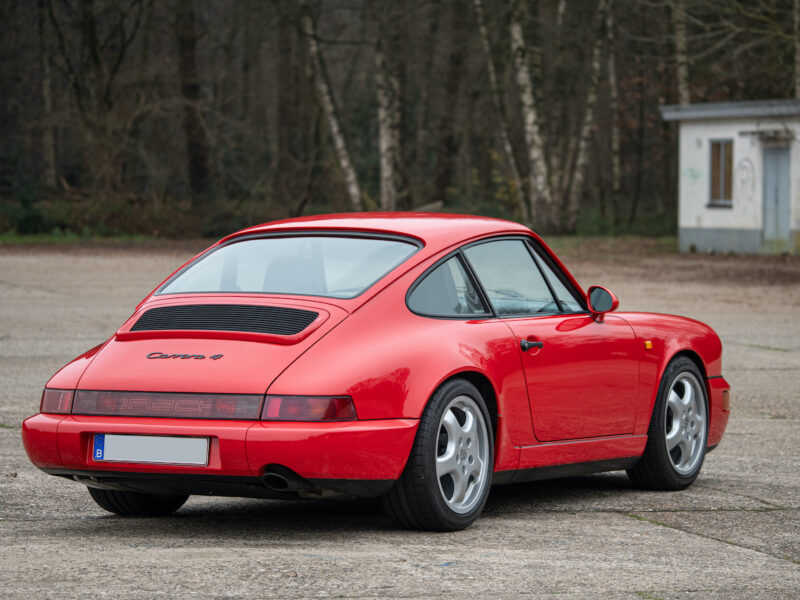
column 600, row 302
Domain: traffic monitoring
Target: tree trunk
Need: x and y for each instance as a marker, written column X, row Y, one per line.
column 419, row 163
column 640, row 142
column 386, row 89
column 329, row 106
column 576, row 185
column 505, row 140
column 613, row 108
column 447, row 151
column 796, row 12
column 681, row 51
column 286, row 108
column 539, row 193
column 197, row 148
column 389, row 93
column 48, row 144
column 96, row 118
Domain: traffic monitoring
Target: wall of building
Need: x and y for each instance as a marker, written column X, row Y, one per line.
column 738, row 228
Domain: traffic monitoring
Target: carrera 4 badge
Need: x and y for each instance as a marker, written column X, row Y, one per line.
column 183, row 356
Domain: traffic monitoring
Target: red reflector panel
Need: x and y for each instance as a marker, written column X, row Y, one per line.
column 157, row 404
column 57, row 402
column 308, row 408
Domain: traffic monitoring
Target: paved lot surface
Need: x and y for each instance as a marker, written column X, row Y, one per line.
column 734, row 534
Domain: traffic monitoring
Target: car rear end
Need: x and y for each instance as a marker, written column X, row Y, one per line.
column 177, row 401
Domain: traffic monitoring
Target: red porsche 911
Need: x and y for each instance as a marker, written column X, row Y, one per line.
column 416, row 357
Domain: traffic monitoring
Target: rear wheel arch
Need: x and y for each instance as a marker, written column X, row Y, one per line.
column 484, row 386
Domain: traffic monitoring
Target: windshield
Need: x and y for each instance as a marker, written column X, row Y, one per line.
column 314, row 265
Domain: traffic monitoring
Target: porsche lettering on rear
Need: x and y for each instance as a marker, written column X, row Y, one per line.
column 415, row 357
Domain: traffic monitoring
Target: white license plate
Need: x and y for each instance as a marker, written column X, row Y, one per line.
column 156, row 449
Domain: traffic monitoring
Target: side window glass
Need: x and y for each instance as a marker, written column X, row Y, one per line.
column 567, row 298
column 447, row 292
column 512, row 281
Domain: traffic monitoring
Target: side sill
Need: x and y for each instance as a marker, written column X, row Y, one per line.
column 568, row 470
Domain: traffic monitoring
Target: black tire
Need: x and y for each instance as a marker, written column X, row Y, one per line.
column 136, row 504
column 418, row 500
column 656, row 470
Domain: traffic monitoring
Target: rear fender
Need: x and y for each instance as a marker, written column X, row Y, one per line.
column 392, row 365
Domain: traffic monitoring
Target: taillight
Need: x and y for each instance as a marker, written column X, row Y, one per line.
column 308, row 408
column 245, row 407
column 57, row 402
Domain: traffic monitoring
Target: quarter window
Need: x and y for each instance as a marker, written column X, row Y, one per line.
column 512, row 281
column 447, row 292
column 722, row 172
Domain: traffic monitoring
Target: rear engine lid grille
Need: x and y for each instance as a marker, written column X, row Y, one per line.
column 275, row 320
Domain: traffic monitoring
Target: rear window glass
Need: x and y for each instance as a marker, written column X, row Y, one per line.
column 336, row 267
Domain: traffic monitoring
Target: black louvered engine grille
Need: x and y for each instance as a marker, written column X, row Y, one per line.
column 276, row 320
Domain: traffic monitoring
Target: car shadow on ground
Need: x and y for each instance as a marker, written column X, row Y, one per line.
column 220, row 520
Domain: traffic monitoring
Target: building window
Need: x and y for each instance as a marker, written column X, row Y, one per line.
column 721, row 173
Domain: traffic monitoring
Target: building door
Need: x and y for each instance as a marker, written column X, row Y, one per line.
column 776, row 198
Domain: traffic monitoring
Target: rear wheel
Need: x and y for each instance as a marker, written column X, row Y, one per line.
column 136, row 504
column 678, row 434
column 449, row 472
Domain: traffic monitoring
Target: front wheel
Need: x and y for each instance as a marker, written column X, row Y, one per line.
column 678, row 433
column 137, row 504
column 448, row 475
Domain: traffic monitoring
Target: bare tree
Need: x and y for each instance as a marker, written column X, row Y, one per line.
column 539, row 194
column 389, row 94
column 329, row 106
column 93, row 66
column 48, row 145
column 796, row 14
column 449, row 137
column 197, row 148
column 613, row 107
column 681, row 51
column 575, row 188
column 505, row 140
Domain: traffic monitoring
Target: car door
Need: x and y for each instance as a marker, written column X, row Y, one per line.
column 581, row 375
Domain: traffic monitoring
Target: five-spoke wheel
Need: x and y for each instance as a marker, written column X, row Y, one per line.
column 449, row 472
column 685, row 423
column 678, row 433
column 462, row 451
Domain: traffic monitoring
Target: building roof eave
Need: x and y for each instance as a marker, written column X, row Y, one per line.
column 730, row 110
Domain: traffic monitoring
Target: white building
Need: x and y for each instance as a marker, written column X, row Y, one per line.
column 739, row 176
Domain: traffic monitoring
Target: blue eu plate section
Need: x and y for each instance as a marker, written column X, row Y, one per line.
column 99, row 446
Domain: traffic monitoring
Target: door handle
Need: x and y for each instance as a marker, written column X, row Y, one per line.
column 526, row 345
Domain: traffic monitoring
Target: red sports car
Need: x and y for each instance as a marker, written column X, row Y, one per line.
column 417, row 357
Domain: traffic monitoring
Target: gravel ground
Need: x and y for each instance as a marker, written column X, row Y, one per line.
column 734, row 533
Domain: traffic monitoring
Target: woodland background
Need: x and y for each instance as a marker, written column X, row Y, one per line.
column 182, row 118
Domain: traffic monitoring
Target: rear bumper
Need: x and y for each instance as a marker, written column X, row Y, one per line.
column 344, row 456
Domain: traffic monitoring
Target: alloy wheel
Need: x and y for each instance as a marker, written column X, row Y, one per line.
column 462, row 457
column 685, row 423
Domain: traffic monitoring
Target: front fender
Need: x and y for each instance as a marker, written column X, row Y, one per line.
column 669, row 336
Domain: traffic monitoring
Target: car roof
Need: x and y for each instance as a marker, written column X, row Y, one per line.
column 433, row 229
